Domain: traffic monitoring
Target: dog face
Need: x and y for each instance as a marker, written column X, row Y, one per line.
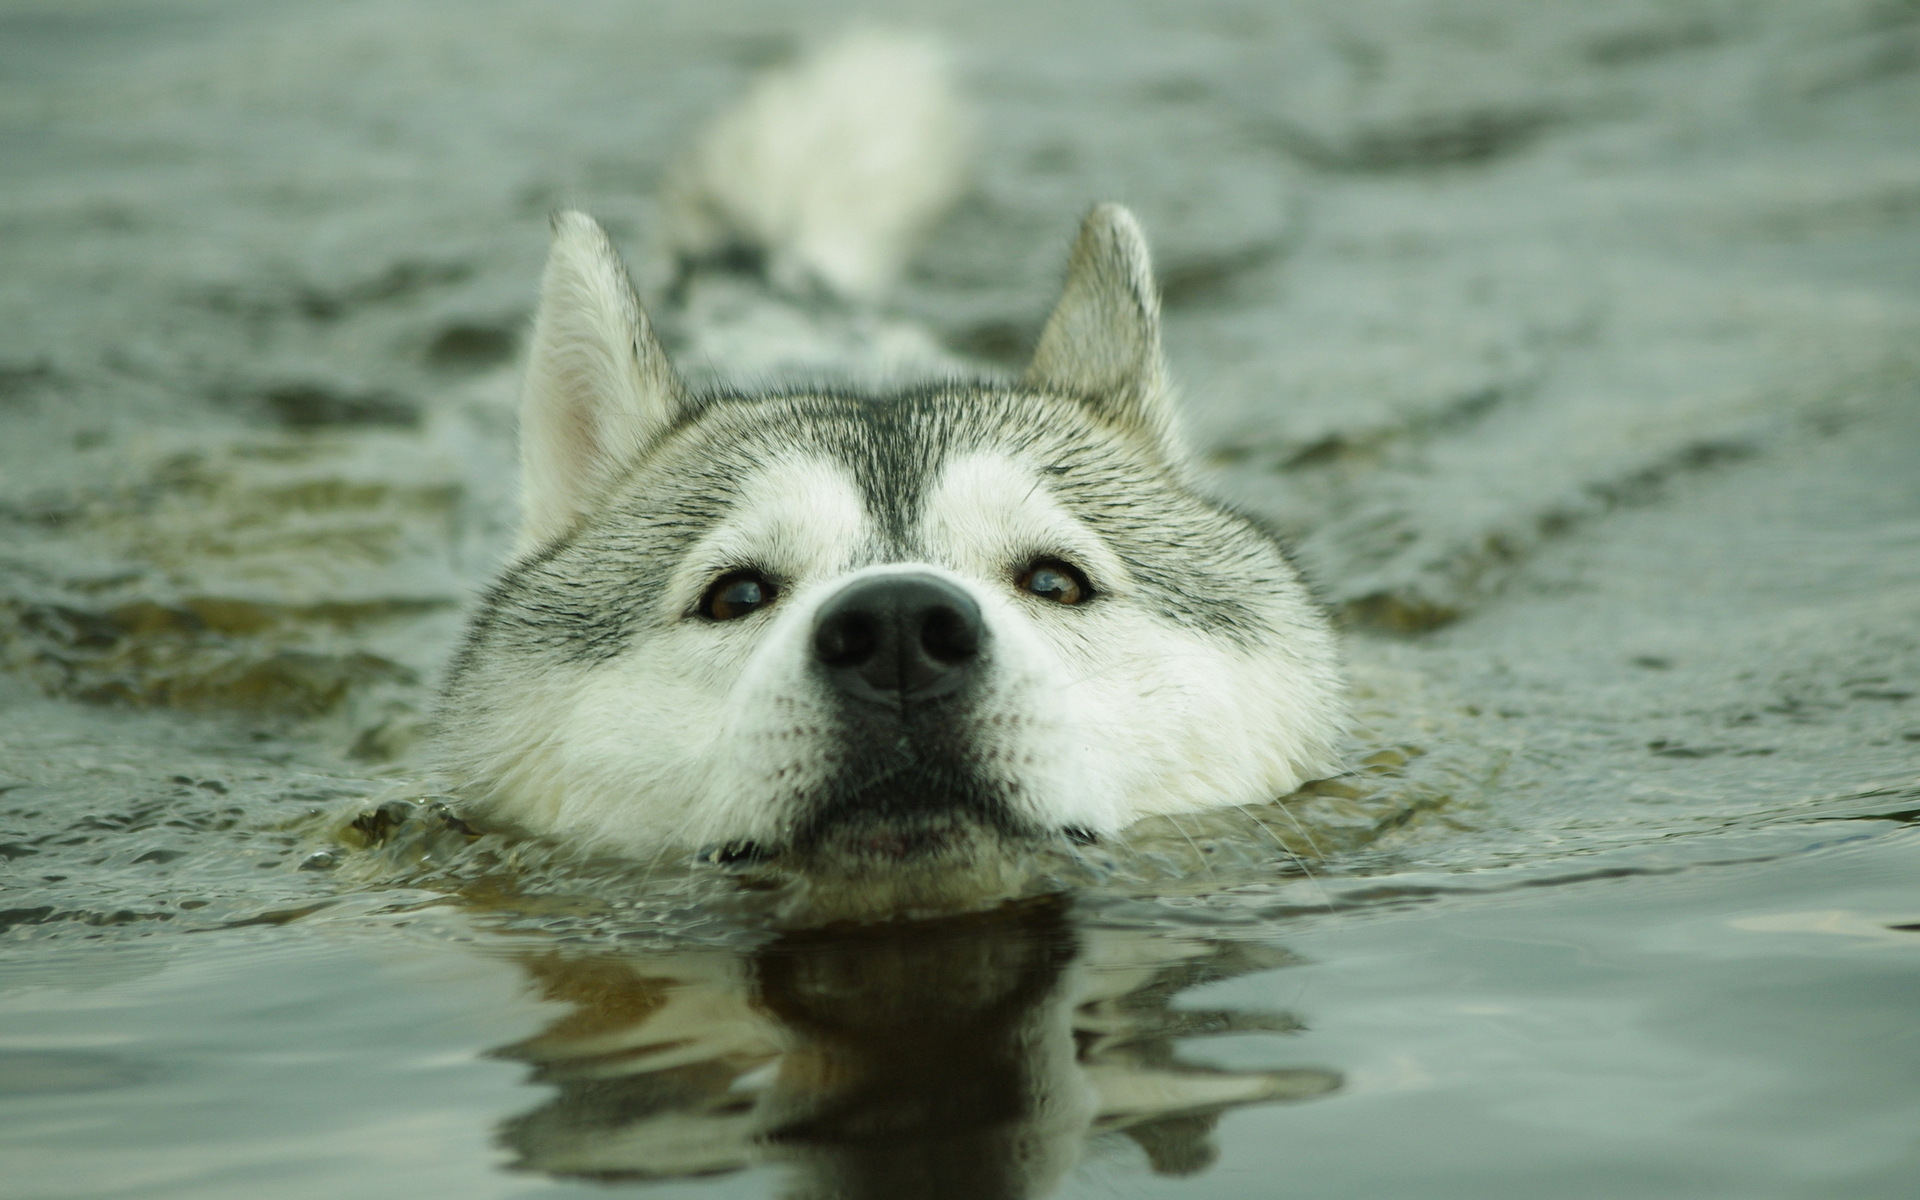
column 823, row 625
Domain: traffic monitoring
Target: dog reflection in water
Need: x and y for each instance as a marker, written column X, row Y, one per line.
column 973, row 1057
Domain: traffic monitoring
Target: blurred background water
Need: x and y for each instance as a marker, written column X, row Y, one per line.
column 1576, row 345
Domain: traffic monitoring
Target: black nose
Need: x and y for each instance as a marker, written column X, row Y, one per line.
column 898, row 638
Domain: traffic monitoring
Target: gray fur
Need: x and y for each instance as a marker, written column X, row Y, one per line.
column 594, row 700
column 1102, row 342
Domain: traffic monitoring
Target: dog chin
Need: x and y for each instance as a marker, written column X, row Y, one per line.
column 873, row 868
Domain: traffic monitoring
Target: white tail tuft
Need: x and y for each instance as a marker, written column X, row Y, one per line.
column 831, row 168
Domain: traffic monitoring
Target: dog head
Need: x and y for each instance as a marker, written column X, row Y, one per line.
column 886, row 627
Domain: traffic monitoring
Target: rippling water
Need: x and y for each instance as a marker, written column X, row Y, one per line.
column 1577, row 345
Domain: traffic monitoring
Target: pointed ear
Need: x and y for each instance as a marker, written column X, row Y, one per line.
column 1102, row 343
column 599, row 388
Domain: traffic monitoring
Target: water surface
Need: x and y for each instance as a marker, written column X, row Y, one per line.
column 1576, row 345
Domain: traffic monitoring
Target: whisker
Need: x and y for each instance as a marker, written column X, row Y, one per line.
column 1172, row 820
column 1326, row 897
column 1117, row 666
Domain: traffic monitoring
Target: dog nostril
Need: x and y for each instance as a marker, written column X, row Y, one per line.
column 948, row 637
column 845, row 641
column 899, row 638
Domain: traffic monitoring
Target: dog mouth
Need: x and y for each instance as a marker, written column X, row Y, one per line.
column 868, row 844
column 924, row 797
column 871, row 845
column 864, row 865
column 896, row 845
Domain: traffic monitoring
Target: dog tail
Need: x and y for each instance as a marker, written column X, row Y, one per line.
column 828, row 172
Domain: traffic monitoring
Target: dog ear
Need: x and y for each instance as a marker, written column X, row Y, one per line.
column 599, row 388
column 1102, row 343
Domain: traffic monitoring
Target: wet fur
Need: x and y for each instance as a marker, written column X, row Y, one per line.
column 591, row 701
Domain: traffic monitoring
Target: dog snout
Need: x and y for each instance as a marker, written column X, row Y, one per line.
column 899, row 639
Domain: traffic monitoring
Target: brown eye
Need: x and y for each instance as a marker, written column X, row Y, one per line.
column 1051, row 579
column 736, row 595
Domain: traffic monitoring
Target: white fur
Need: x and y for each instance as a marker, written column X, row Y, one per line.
column 1105, row 714
column 598, row 385
column 837, row 164
column 1102, row 341
column 696, row 732
column 1153, row 719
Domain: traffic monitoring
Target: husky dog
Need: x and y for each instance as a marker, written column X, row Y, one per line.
column 882, row 622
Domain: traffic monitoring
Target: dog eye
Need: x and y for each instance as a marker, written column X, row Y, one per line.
column 1051, row 579
column 736, row 595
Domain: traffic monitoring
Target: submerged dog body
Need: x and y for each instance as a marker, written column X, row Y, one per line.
column 879, row 623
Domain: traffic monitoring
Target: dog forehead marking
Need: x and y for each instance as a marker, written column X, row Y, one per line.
column 986, row 508
column 801, row 515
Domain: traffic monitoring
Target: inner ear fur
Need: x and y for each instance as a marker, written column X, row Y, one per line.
column 1102, row 343
column 599, row 388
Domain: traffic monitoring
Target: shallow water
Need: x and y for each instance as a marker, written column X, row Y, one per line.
column 1576, row 344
